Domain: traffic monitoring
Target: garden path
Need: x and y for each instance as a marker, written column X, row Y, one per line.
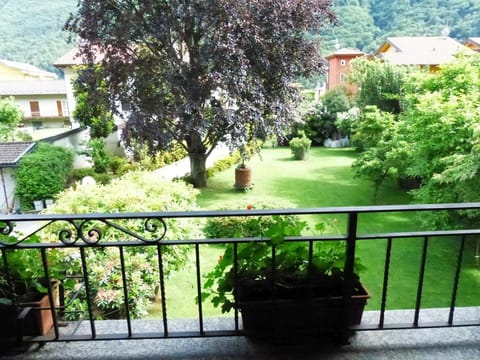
column 182, row 167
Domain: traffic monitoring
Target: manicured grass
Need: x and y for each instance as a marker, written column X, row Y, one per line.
column 326, row 179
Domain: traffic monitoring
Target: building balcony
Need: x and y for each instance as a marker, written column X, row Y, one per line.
column 418, row 331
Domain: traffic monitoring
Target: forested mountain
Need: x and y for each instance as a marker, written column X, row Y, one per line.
column 364, row 24
column 31, row 30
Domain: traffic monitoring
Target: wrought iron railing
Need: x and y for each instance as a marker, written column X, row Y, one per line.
column 78, row 234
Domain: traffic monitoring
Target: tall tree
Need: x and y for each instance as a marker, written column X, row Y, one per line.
column 379, row 83
column 171, row 60
column 10, row 117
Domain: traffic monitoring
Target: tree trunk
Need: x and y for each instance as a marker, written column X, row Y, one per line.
column 198, row 159
column 198, row 169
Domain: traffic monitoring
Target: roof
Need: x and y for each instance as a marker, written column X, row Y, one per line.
column 70, row 58
column 28, row 69
column 73, row 57
column 32, row 87
column 12, row 152
column 420, row 50
column 345, row 52
column 473, row 42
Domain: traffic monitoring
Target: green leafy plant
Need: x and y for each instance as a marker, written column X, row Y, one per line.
column 22, row 271
column 255, row 265
column 42, row 174
column 106, row 284
column 138, row 191
column 300, row 147
column 10, row 117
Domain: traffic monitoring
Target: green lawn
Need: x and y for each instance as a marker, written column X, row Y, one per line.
column 325, row 179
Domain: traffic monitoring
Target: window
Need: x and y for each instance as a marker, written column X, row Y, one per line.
column 343, row 62
column 34, row 109
column 59, row 108
column 62, row 108
column 342, row 77
column 65, row 108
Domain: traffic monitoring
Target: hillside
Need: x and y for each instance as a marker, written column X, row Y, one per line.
column 365, row 24
column 31, row 30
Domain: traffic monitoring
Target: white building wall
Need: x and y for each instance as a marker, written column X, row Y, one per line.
column 77, row 142
column 70, row 75
column 7, row 190
column 47, row 105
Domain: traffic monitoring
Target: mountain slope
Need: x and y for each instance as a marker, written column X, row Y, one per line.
column 31, row 30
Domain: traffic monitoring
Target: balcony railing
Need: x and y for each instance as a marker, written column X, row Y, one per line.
column 79, row 234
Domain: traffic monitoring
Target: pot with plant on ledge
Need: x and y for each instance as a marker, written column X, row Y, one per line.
column 296, row 291
column 25, row 292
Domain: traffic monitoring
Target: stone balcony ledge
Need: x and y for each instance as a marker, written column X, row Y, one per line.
column 430, row 343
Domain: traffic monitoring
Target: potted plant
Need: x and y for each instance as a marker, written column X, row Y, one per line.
column 243, row 173
column 24, row 291
column 285, row 296
column 243, row 177
column 300, row 147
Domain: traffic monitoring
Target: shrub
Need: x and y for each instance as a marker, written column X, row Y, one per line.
column 77, row 175
column 241, row 226
column 99, row 157
column 148, row 161
column 300, row 147
column 42, row 174
column 224, row 164
column 134, row 192
column 255, row 260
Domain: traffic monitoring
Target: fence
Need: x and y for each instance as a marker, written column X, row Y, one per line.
column 88, row 239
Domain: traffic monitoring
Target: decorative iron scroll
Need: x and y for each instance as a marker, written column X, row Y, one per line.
column 6, row 228
column 92, row 230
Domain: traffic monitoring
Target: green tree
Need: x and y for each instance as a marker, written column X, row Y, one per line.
column 10, row 117
column 436, row 139
column 371, row 127
column 92, row 106
column 201, row 72
column 320, row 121
column 383, row 152
column 379, row 83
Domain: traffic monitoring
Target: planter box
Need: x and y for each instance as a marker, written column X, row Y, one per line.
column 38, row 205
column 37, row 322
column 288, row 319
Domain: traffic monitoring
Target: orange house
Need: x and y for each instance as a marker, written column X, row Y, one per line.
column 339, row 65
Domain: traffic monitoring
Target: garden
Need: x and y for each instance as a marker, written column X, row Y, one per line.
column 326, row 180
column 415, row 145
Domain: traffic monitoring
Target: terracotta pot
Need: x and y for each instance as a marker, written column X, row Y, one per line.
column 42, row 320
column 38, row 321
column 243, row 178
